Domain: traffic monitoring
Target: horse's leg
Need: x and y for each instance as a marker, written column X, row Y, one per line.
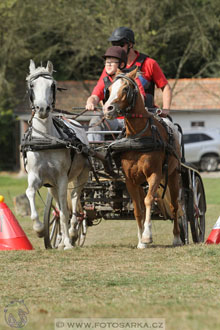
column 153, row 182
column 77, row 186
column 173, row 183
column 136, row 194
column 34, row 183
column 75, row 194
column 64, row 214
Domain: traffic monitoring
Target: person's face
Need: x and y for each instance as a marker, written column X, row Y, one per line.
column 122, row 44
column 111, row 65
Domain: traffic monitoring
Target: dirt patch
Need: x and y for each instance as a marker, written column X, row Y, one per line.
column 210, row 175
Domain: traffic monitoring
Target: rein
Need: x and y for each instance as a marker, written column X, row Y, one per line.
column 78, row 115
column 85, row 126
column 32, row 116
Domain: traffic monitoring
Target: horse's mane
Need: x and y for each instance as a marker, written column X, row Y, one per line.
column 134, row 72
column 38, row 70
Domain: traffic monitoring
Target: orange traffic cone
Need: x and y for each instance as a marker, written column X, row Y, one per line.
column 214, row 236
column 12, row 236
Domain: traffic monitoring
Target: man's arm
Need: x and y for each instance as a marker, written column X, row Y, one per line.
column 92, row 102
column 167, row 97
column 97, row 93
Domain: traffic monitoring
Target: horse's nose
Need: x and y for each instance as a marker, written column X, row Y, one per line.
column 111, row 108
column 40, row 109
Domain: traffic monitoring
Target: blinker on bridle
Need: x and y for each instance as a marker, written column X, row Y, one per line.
column 30, row 89
column 131, row 94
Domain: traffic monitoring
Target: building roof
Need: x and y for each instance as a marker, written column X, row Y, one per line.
column 188, row 94
column 76, row 94
column 193, row 94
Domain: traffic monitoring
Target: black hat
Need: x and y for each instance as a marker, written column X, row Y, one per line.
column 122, row 33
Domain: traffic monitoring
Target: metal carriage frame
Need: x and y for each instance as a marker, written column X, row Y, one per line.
column 106, row 197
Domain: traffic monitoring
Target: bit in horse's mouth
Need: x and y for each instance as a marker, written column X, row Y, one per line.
column 108, row 116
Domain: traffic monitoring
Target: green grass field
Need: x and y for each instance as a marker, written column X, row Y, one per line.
column 109, row 277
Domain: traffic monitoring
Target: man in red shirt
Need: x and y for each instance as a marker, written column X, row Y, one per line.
column 151, row 72
column 150, row 69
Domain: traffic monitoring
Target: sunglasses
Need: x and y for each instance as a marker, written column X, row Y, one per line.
column 120, row 43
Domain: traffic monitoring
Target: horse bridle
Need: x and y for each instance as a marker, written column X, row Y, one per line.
column 30, row 88
column 131, row 94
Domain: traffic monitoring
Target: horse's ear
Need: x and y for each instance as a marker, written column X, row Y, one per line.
column 32, row 66
column 49, row 67
column 134, row 73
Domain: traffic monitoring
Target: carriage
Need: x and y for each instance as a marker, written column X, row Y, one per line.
column 160, row 186
column 106, row 198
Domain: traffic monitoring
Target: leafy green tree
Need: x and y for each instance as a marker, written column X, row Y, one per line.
column 181, row 35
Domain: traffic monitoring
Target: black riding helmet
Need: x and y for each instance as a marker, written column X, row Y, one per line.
column 122, row 33
column 117, row 52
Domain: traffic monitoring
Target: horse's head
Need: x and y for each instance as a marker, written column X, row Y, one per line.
column 122, row 95
column 41, row 89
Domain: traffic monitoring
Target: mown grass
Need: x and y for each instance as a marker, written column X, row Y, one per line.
column 109, row 277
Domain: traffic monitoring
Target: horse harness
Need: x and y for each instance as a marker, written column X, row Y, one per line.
column 67, row 136
column 67, row 139
column 141, row 143
column 155, row 141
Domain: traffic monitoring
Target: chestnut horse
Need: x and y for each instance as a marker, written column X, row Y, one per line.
column 141, row 166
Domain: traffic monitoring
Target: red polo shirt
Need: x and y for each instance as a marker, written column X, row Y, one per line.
column 151, row 71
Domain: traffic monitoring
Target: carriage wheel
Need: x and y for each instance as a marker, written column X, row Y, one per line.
column 51, row 224
column 82, row 230
column 197, row 214
column 183, row 222
column 52, row 227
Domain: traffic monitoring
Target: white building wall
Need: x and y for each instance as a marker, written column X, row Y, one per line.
column 210, row 119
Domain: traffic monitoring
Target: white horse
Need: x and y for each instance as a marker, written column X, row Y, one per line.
column 52, row 167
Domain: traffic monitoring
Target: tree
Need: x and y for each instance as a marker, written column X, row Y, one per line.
column 181, row 35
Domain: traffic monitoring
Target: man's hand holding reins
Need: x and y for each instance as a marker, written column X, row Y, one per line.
column 92, row 102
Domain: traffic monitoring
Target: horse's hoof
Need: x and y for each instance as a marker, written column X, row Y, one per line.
column 67, row 244
column 147, row 240
column 142, row 246
column 41, row 234
column 39, row 229
column 60, row 247
column 177, row 241
column 69, row 247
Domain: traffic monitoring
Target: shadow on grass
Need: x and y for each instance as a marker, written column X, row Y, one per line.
column 132, row 246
